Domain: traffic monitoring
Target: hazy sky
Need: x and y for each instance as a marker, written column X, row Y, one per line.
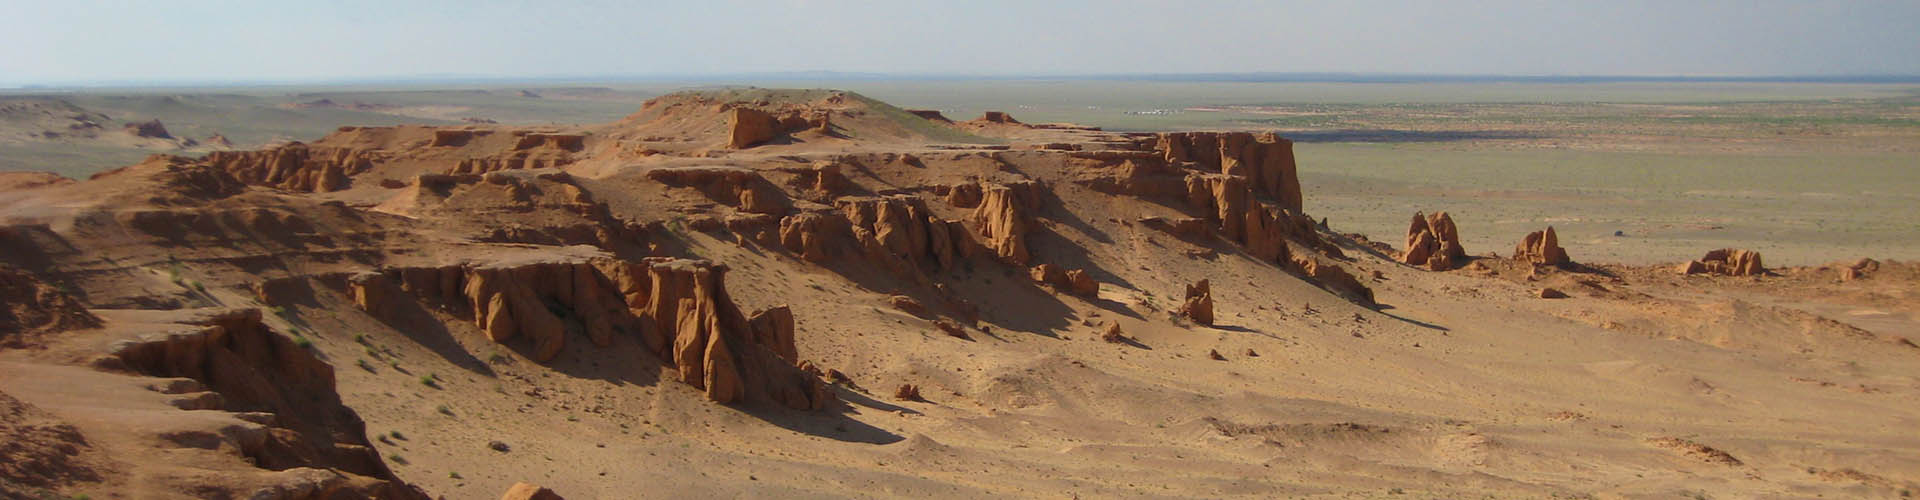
column 75, row 41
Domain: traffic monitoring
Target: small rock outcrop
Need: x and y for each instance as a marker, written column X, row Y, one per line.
column 151, row 129
column 1003, row 222
column 907, row 392
column 1334, row 279
column 1073, row 281
column 529, row 491
column 747, row 127
column 1858, row 269
column 1199, row 303
column 1727, row 262
column 1433, row 242
column 1542, row 248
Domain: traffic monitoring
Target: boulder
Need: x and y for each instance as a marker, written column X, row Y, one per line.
column 1551, row 293
column 1542, row 248
column 528, row 491
column 1082, row 283
column 1199, row 303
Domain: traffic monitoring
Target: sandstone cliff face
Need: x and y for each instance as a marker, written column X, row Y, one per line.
column 741, row 187
column 900, row 233
column 513, row 160
column 1433, row 242
column 747, row 127
column 296, row 166
column 1727, row 262
column 678, row 307
column 1542, row 248
column 236, row 364
column 1265, row 160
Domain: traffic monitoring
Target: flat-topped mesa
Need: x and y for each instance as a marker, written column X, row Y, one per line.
column 1434, row 242
column 997, row 117
column 1542, row 248
column 1264, row 159
column 1727, row 262
column 296, row 166
column 678, row 307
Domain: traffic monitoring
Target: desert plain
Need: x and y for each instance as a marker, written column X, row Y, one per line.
column 1026, row 288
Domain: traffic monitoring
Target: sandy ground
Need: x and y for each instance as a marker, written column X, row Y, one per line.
column 1642, row 384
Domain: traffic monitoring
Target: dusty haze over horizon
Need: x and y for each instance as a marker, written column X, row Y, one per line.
column 98, row 42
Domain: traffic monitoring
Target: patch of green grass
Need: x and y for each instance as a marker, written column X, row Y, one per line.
column 396, row 458
column 303, row 342
column 430, row 381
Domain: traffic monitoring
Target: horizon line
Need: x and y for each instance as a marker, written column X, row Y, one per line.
column 823, row 75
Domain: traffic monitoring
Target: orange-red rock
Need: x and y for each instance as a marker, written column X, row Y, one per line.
column 1542, row 248
column 1727, row 262
column 747, row 127
column 1199, row 303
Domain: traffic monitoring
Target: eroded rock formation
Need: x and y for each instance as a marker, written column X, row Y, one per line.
column 1727, row 262
column 678, row 307
column 297, row 420
column 743, row 188
column 1434, row 242
column 1265, row 160
column 1003, row 221
column 29, row 307
column 296, row 166
column 1199, row 303
column 1542, row 248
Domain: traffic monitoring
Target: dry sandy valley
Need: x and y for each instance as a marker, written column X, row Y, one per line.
column 747, row 292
